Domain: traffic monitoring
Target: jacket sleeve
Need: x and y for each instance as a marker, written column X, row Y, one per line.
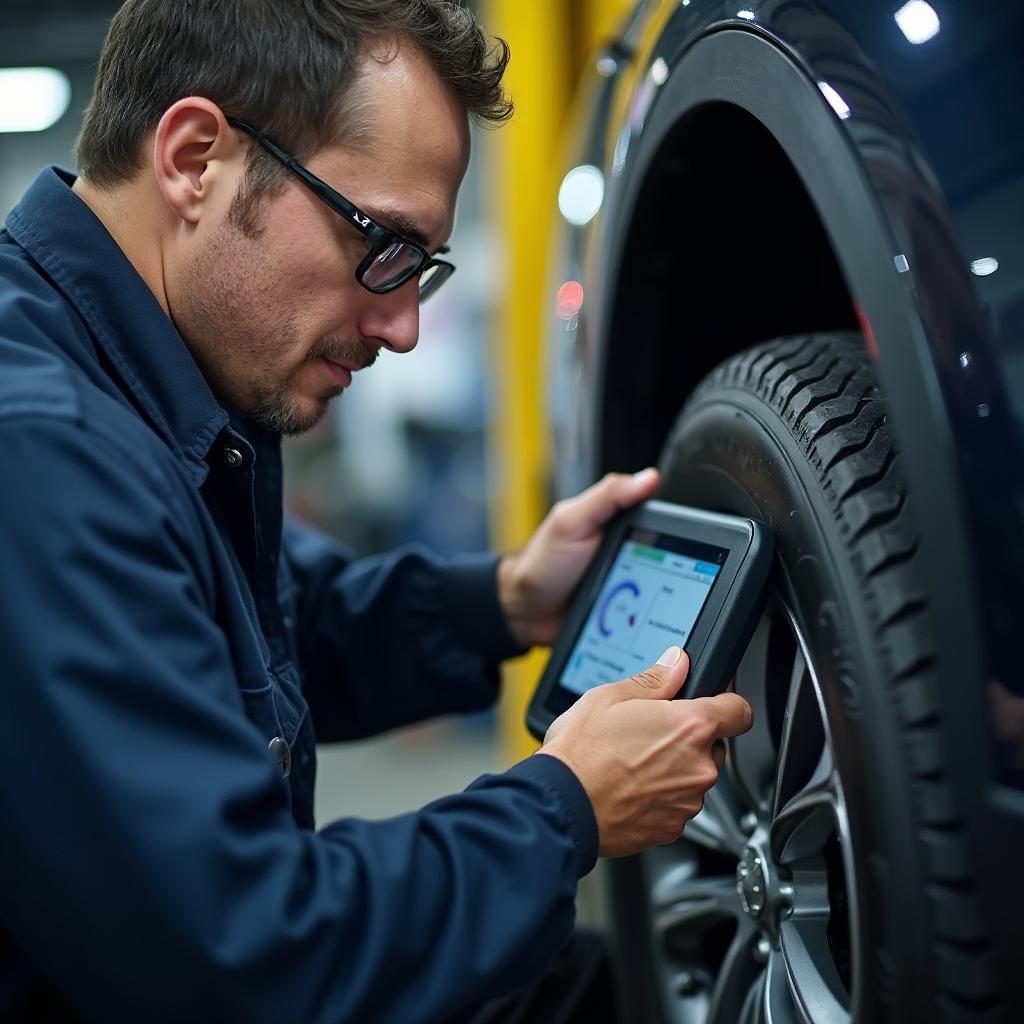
column 393, row 639
column 151, row 867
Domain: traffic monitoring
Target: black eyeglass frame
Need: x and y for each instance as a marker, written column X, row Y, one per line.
column 380, row 237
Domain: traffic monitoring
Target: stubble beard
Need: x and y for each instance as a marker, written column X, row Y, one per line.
column 279, row 410
column 222, row 292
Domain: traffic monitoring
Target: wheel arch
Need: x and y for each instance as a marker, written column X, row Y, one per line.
column 721, row 216
column 848, row 258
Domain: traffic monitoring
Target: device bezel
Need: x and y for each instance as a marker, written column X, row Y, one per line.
column 748, row 546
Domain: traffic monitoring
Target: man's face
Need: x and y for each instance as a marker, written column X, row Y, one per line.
column 276, row 319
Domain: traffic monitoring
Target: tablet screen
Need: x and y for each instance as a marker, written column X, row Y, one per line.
column 650, row 599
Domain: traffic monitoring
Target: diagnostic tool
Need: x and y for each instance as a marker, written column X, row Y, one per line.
column 664, row 574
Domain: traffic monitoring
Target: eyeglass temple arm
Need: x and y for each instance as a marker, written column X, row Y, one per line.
column 321, row 188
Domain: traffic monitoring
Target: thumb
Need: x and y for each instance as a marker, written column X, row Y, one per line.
column 662, row 680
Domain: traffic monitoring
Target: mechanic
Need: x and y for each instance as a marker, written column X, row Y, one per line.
column 172, row 650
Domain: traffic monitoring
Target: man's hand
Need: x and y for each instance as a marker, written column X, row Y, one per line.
column 645, row 760
column 535, row 584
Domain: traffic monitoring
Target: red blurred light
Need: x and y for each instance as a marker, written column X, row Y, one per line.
column 569, row 300
column 868, row 331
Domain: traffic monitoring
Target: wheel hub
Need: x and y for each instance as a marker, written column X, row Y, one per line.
column 763, row 895
column 751, row 882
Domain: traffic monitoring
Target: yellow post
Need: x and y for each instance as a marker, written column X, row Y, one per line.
column 548, row 41
column 599, row 22
column 523, row 187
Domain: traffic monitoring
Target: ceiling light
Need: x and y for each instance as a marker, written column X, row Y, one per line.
column 581, row 194
column 32, row 99
column 984, row 267
column 918, row 21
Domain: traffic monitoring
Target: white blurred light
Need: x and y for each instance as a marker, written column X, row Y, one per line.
column 659, row 71
column 746, row 15
column 918, row 21
column 902, row 263
column 581, row 194
column 621, row 151
column 984, row 267
column 686, row 3
column 836, row 102
column 32, row 99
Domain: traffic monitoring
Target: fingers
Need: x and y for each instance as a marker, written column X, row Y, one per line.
column 659, row 682
column 584, row 515
column 730, row 713
column 718, row 753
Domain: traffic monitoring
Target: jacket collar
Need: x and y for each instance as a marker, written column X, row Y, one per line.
column 66, row 238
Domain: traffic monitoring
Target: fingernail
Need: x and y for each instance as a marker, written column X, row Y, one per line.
column 671, row 656
column 644, row 476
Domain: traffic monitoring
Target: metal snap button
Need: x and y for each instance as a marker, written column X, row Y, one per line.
column 282, row 755
column 232, row 457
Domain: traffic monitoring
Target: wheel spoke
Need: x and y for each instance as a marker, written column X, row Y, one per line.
column 716, row 827
column 753, row 1004
column 813, row 978
column 707, row 831
column 752, row 756
column 803, row 734
column 777, row 1005
column 803, row 825
column 671, row 876
column 739, row 976
column 693, row 902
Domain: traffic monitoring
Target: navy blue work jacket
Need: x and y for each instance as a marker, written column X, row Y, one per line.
column 169, row 653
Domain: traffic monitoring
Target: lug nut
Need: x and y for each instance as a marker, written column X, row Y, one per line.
column 686, row 984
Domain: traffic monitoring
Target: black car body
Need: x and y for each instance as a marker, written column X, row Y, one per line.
column 786, row 167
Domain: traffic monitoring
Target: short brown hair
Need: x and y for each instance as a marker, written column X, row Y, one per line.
column 283, row 65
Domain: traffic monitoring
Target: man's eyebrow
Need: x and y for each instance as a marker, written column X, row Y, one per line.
column 401, row 223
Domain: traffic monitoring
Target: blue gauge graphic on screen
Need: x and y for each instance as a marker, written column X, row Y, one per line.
column 651, row 598
column 619, row 610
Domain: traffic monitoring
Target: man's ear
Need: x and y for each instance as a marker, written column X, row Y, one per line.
column 195, row 152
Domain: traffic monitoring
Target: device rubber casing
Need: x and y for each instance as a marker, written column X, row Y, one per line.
column 724, row 625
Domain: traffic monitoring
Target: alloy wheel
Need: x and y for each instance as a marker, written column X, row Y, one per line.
column 753, row 910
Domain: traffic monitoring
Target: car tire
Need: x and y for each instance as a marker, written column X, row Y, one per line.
column 857, row 905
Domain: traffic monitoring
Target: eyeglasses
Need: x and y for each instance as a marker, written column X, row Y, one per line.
column 392, row 259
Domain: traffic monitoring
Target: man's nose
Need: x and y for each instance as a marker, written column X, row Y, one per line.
column 393, row 319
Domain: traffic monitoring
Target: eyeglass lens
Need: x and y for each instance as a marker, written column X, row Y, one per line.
column 395, row 263
column 432, row 278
